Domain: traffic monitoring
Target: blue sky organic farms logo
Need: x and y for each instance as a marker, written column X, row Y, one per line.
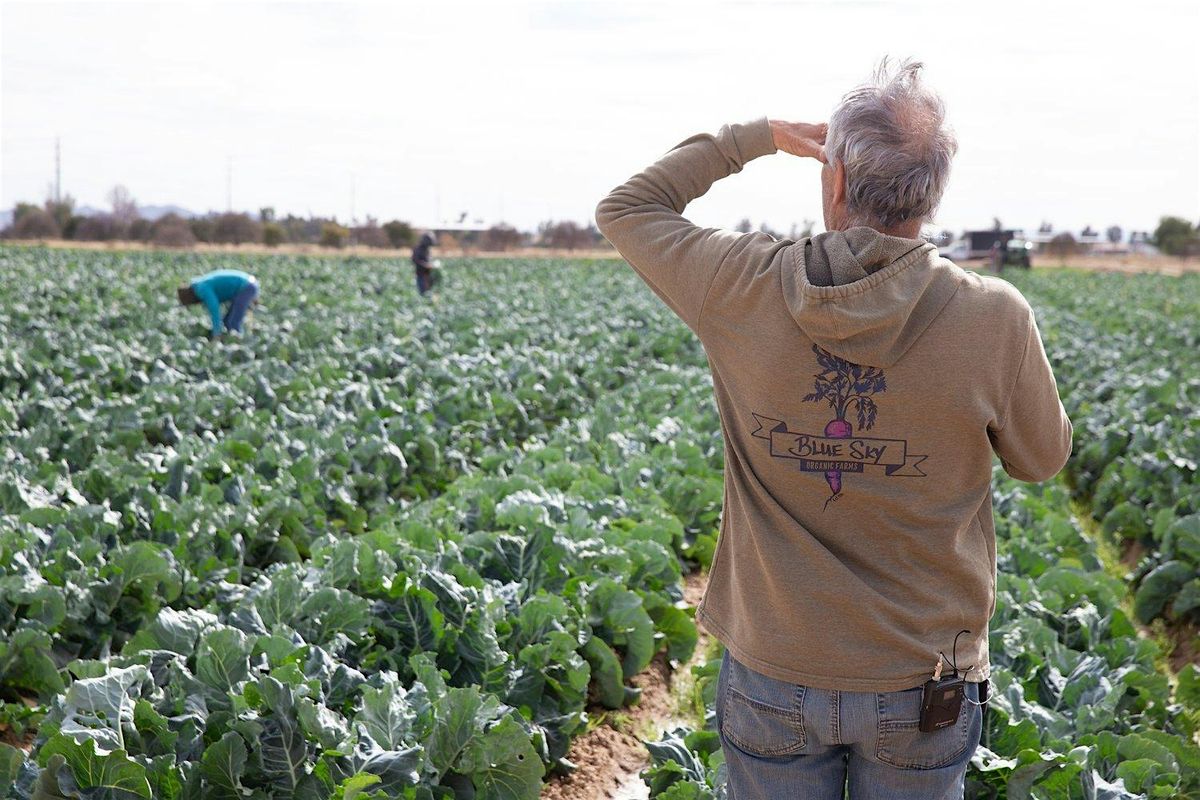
column 846, row 387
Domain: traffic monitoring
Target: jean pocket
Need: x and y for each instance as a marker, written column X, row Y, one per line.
column 760, row 715
column 901, row 744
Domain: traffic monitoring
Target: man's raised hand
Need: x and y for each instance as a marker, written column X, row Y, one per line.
column 803, row 139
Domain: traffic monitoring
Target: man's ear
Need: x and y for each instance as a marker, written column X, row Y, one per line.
column 839, row 184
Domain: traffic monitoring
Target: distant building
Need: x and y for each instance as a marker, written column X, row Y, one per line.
column 456, row 228
column 1086, row 241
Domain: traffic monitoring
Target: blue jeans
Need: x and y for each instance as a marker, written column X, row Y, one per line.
column 240, row 305
column 783, row 741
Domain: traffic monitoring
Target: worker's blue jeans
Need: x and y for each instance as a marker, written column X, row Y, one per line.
column 783, row 742
column 240, row 305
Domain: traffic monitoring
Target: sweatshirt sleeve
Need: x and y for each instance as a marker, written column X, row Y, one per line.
column 209, row 297
column 643, row 216
column 1033, row 436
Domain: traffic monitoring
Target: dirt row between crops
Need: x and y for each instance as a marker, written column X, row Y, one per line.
column 360, row 251
column 610, row 757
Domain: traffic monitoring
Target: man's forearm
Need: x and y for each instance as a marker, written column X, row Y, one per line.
column 643, row 217
column 687, row 172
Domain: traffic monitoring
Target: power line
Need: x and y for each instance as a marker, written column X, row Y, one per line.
column 57, row 170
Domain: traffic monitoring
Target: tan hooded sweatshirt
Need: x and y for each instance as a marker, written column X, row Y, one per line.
column 863, row 384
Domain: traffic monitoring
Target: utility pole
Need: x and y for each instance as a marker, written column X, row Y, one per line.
column 57, row 170
column 229, row 183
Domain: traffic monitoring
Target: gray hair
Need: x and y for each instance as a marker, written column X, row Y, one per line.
column 891, row 137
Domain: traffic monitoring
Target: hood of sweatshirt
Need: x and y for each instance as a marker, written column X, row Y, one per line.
column 865, row 296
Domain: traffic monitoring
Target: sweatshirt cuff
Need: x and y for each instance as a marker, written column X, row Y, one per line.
column 754, row 138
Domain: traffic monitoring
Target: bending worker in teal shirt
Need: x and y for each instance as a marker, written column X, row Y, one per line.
column 233, row 286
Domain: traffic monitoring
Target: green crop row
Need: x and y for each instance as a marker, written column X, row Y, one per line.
column 1078, row 711
column 1124, row 349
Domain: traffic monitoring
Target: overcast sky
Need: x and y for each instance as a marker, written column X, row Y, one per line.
column 1076, row 113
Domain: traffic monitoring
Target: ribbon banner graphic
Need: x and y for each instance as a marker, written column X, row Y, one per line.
column 853, row 454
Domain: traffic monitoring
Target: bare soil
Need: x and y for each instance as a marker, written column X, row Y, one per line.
column 1130, row 264
column 1185, row 641
column 21, row 741
column 1115, row 262
column 610, row 756
column 316, row 250
column 1131, row 553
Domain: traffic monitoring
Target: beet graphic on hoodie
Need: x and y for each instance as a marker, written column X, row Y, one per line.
column 844, row 385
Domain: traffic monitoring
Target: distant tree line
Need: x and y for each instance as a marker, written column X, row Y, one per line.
column 59, row 220
column 1176, row 236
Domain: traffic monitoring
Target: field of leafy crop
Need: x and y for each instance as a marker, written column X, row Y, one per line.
column 388, row 548
column 378, row 546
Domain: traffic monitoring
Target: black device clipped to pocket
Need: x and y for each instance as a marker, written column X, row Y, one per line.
column 942, row 698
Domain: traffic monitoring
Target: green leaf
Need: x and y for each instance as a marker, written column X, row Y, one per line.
column 676, row 627
column 355, row 786
column 607, row 677
column 11, row 760
column 462, row 714
column 283, row 749
column 109, row 776
column 100, row 709
column 1159, row 587
column 386, row 714
column 142, row 564
column 1031, row 766
column 177, row 631
column 1188, row 690
column 1135, row 746
column 622, row 621
column 502, row 763
column 222, row 658
column 223, row 765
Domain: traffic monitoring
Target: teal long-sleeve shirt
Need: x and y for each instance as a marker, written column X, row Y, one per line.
column 218, row 287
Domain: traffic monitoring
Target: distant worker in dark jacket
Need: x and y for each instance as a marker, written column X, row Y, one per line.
column 423, row 264
column 231, row 286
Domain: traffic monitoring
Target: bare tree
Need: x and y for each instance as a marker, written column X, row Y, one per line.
column 370, row 234
column 236, row 228
column 61, row 210
column 566, row 235
column 501, row 237
column 769, row 231
column 1063, row 244
column 802, row 231
column 399, row 233
column 172, row 231
column 35, row 224
column 124, row 207
column 1114, row 233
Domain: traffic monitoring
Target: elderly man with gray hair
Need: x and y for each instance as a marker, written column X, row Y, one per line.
column 863, row 384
